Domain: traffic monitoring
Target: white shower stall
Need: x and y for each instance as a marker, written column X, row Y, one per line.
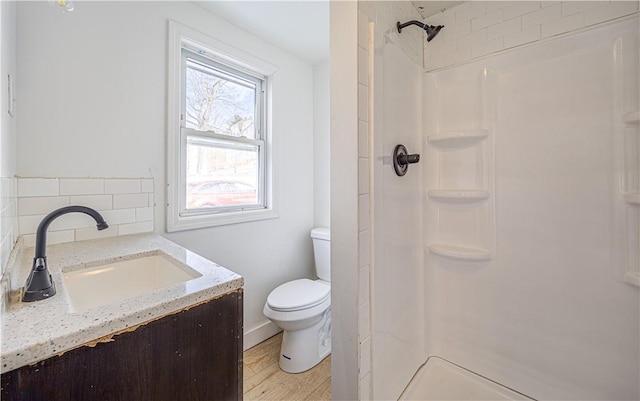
column 512, row 249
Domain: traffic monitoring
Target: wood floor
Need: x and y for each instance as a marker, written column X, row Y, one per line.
column 264, row 380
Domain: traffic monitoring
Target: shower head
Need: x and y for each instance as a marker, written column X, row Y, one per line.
column 431, row 30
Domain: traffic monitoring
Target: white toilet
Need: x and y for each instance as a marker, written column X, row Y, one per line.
column 302, row 308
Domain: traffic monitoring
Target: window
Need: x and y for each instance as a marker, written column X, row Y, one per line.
column 219, row 158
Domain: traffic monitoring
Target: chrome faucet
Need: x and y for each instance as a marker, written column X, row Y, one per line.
column 39, row 284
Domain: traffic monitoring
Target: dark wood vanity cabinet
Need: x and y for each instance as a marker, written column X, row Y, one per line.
column 194, row 354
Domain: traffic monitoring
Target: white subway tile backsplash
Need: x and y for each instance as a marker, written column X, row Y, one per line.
column 459, row 56
column 483, row 28
column 363, row 212
column 127, row 204
column 29, row 224
column 41, row 205
column 136, row 228
column 363, row 103
column 126, row 201
column 545, row 4
column 491, row 6
column 72, row 221
column 144, row 214
column 363, row 139
column 363, row 175
column 38, row 187
column 459, row 30
column 363, row 30
column 490, row 46
column 486, row 20
column 469, row 11
column 572, row 7
column 365, row 387
column 505, row 28
column 364, row 322
column 81, row 186
column 83, row 234
column 365, row 357
column 363, row 285
column 98, row 202
column 119, row 216
column 609, row 10
column 122, row 186
column 566, row 24
column 53, row 237
column 437, row 51
column 522, row 37
column 471, row 40
column 146, row 185
column 519, row 8
column 363, row 66
column 364, row 248
column 542, row 16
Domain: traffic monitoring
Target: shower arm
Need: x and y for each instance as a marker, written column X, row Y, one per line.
column 431, row 30
column 413, row 22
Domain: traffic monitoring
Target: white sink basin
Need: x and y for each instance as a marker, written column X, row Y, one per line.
column 106, row 284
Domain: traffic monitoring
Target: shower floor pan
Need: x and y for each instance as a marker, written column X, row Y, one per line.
column 440, row 380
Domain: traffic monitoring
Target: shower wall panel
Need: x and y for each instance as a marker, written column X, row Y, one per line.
column 549, row 314
column 397, row 277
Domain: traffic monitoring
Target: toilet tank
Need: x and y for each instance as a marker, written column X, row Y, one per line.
column 322, row 252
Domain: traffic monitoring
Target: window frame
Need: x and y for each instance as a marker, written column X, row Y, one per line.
column 186, row 43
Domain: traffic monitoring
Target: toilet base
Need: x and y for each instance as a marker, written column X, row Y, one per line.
column 303, row 349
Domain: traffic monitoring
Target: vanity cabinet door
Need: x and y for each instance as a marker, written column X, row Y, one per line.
column 195, row 354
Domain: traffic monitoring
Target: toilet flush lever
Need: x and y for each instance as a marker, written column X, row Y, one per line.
column 402, row 159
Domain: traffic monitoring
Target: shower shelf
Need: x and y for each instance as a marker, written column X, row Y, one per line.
column 458, row 195
column 632, row 278
column 460, row 252
column 457, row 139
column 633, row 198
column 633, row 117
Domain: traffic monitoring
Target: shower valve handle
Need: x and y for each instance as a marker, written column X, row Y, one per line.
column 402, row 159
column 408, row 159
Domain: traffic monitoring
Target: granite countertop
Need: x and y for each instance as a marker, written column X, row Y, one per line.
column 38, row 330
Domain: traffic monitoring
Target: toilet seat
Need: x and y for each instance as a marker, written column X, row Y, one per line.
column 298, row 295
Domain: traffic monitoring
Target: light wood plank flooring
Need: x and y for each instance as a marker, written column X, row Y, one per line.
column 264, row 380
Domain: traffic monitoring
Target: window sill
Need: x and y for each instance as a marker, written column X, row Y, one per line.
column 183, row 223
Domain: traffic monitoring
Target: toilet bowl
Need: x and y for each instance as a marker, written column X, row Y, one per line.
column 302, row 308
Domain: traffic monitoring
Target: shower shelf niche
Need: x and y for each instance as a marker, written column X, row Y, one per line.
column 460, row 252
column 457, row 139
column 460, row 168
column 458, row 195
column 633, row 198
column 632, row 117
column 632, row 278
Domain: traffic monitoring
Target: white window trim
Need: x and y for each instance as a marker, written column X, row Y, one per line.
column 179, row 36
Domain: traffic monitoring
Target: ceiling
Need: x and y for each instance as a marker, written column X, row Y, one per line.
column 299, row 27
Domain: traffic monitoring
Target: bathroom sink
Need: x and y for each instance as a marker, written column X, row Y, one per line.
column 111, row 283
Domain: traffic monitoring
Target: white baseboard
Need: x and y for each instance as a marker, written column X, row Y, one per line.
column 258, row 334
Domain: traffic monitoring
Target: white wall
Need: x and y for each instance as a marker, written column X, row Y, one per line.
column 390, row 310
column 321, row 144
column 8, row 222
column 343, row 39
column 548, row 314
column 93, row 103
